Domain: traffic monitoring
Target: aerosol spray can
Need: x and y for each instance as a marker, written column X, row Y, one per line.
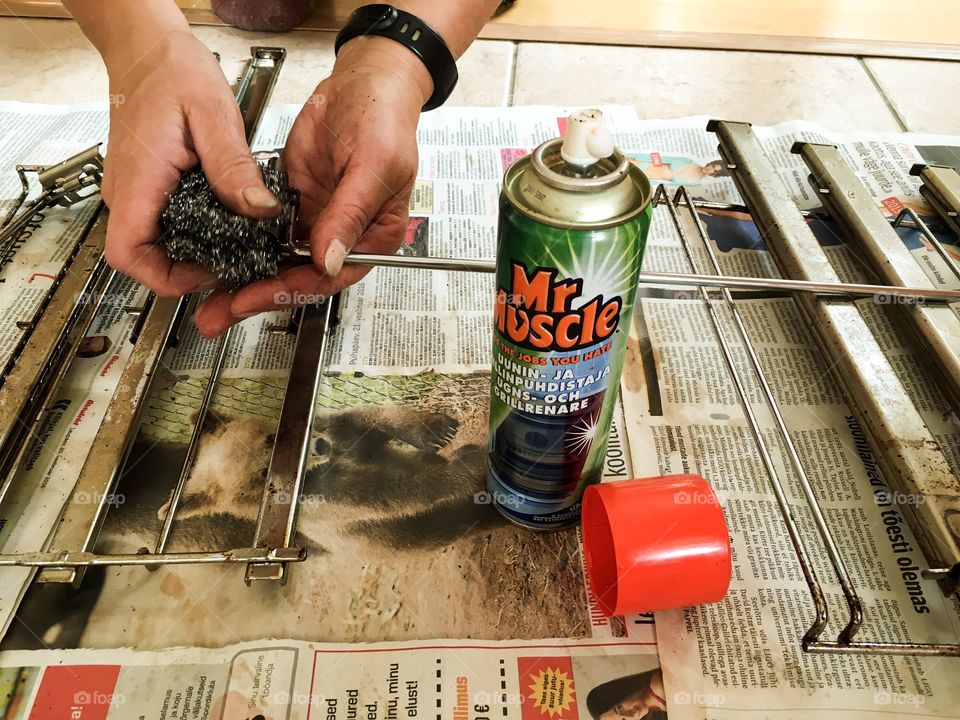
column 574, row 218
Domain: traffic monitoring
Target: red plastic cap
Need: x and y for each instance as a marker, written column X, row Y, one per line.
column 655, row 543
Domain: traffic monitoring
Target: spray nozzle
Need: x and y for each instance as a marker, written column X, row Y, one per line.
column 587, row 139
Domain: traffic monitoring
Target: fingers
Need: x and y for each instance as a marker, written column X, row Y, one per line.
column 294, row 286
column 131, row 246
column 359, row 198
column 218, row 137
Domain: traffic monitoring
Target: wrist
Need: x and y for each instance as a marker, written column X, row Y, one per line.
column 131, row 43
column 388, row 58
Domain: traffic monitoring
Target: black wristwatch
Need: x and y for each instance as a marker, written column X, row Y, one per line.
column 409, row 30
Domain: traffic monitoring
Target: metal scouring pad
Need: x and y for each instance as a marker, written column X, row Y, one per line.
column 197, row 228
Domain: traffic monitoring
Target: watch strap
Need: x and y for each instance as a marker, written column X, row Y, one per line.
column 407, row 29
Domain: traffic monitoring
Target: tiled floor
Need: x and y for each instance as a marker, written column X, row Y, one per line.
column 50, row 61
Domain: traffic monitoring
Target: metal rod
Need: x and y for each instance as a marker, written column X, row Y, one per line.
column 920, row 225
column 733, row 282
column 281, row 492
column 820, row 604
column 65, row 560
column 882, row 648
column 194, row 444
column 869, row 232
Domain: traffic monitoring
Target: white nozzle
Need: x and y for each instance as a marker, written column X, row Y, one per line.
column 587, row 138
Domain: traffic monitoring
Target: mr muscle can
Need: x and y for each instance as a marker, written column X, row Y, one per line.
column 569, row 247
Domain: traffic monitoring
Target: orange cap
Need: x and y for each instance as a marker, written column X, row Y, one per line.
column 655, row 543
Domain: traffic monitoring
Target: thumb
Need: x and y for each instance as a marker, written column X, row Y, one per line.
column 359, row 198
column 219, row 141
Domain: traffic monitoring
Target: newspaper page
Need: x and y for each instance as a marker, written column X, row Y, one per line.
column 741, row 657
column 283, row 680
column 393, row 506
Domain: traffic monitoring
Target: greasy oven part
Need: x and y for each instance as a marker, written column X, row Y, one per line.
column 909, row 455
column 877, row 243
column 941, row 190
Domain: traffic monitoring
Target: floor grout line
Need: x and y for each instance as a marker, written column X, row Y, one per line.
column 879, row 88
column 512, row 73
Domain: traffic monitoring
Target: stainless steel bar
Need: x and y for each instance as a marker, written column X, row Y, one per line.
column 873, row 238
column 836, row 288
column 281, row 493
column 40, row 362
column 88, row 503
column 187, row 467
column 881, row 648
column 256, row 86
column 820, row 603
column 909, row 456
column 60, row 560
column 941, row 190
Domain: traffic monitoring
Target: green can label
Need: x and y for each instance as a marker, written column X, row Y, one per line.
column 561, row 322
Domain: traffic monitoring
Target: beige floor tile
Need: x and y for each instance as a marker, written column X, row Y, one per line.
column 763, row 88
column 50, row 61
column 923, row 92
column 485, row 74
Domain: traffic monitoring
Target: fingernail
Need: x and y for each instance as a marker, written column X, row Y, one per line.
column 259, row 197
column 244, row 316
column 333, row 260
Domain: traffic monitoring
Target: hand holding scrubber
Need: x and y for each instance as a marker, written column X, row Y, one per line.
column 198, row 228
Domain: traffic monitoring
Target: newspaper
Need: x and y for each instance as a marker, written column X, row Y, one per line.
column 274, row 680
column 741, row 657
column 420, row 554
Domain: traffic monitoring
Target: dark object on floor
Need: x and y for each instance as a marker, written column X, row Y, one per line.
column 197, row 228
column 264, row 15
column 504, row 6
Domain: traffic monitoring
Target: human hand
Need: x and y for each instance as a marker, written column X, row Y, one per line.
column 352, row 153
column 171, row 108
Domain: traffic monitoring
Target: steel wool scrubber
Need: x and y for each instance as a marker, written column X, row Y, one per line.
column 198, row 228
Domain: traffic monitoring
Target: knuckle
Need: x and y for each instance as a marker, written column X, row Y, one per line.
column 115, row 256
